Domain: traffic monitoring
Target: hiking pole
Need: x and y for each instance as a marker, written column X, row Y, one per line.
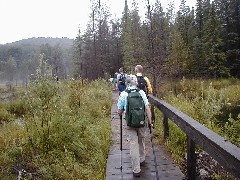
column 154, row 154
column 121, row 139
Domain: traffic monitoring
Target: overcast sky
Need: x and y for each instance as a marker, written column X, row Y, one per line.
column 22, row 19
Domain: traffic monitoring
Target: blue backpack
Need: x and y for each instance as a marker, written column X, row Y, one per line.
column 122, row 79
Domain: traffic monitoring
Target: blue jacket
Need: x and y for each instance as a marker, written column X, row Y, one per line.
column 122, row 99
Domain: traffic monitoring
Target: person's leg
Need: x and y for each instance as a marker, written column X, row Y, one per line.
column 113, row 86
column 116, row 84
column 134, row 149
column 141, row 141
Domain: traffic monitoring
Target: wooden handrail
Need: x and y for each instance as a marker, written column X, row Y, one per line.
column 226, row 153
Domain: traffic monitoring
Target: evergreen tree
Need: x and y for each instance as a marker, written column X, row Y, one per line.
column 184, row 20
column 131, row 37
column 77, row 56
column 198, row 63
column 156, row 46
column 199, row 18
column 95, row 51
column 214, row 56
column 178, row 59
column 229, row 13
column 115, row 47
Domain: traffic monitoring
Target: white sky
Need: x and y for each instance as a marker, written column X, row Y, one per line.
column 22, row 19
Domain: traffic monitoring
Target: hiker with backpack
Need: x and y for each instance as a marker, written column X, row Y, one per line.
column 143, row 82
column 121, row 80
column 134, row 103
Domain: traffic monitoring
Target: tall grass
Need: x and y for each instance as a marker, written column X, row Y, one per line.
column 65, row 133
column 209, row 102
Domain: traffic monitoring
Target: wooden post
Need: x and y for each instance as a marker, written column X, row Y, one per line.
column 165, row 127
column 153, row 114
column 191, row 159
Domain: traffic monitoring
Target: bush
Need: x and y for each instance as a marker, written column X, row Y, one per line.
column 17, row 108
column 231, row 130
column 4, row 115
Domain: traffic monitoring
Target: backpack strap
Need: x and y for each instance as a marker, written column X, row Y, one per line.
column 130, row 90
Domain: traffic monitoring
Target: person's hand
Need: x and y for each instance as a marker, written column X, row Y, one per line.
column 151, row 125
column 120, row 112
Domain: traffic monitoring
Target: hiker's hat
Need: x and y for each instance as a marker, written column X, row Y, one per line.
column 132, row 79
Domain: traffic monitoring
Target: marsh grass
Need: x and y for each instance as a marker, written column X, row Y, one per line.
column 214, row 103
column 65, row 133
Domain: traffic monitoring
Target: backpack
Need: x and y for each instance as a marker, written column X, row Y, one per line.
column 142, row 84
column 135, row 110
column 122, row 79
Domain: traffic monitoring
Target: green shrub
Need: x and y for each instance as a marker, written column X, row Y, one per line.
column 12, row 139
column 231, row 130
column 4, row 115
column 65, row 132
column 17, row 108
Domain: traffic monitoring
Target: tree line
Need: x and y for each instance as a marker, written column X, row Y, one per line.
column 200, row 42
column 193, row 42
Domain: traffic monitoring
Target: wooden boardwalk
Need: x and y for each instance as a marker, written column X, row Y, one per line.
column 158, row 164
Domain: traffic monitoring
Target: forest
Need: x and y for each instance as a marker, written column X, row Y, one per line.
column 200, row 42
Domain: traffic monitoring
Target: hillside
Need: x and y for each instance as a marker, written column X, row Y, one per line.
column 19, row 59
column 27, row 48
column 64, row 42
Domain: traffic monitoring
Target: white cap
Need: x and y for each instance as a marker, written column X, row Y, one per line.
column 132, row 79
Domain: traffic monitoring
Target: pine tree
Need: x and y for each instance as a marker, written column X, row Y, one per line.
column 131, row 37
column 178, row 59
column 215, row 57
column 156, row 45
column 229, row 13
column 77, row 69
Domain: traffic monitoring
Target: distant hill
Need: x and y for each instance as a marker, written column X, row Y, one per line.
column 64, row 42
column 30, row 48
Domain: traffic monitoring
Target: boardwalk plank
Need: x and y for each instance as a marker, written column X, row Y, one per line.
column 167, row 170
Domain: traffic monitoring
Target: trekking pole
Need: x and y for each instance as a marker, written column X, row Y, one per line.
column 154, row 154
column 121, row 139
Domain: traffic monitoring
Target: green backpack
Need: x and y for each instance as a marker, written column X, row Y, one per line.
column 135, row 110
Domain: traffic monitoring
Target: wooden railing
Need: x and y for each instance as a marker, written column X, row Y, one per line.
column 227, row 154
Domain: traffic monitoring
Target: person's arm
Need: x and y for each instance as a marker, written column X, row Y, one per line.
column 125, row 79
column 121, row 103
column 118, row 77
column 147, row 106
column 149, row 115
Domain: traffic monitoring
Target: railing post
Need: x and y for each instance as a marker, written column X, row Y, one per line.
column 153, row 114
column 165, row 127
column 191, row 159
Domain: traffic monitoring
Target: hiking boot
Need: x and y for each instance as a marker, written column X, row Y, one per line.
column 136, row 174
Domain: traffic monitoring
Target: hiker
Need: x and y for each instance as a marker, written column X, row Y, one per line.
column 114, row 81
column 136, row 133
column 143, row 82
column 121, row 80
column 111, row 82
